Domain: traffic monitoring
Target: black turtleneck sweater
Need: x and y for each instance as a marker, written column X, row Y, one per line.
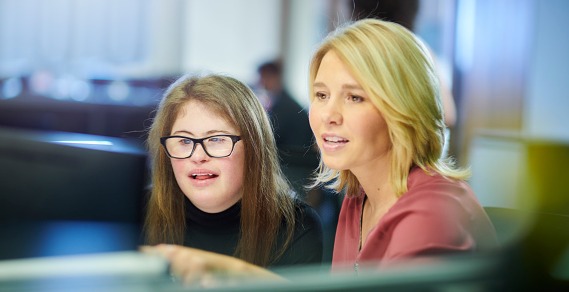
column 219, row 232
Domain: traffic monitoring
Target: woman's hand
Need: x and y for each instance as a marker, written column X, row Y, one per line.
column 195, row 266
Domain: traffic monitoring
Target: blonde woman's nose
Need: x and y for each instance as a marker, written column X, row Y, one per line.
column 332, row 113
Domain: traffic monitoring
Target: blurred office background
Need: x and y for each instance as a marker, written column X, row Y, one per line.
column 100, row 67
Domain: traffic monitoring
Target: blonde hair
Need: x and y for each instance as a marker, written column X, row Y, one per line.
column 266, row 200
column 395, row 69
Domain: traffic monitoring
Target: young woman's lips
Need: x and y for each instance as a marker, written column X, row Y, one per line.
column 202, row 178
column 332, row 143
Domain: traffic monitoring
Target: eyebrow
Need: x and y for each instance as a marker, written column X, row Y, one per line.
column 319, row 84
column 345, row 86
column 352, row 87
column 208, row 133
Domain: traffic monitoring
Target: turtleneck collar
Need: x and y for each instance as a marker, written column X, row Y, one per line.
column 224, row 219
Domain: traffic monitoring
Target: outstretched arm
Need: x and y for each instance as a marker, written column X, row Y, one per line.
column 195, row 266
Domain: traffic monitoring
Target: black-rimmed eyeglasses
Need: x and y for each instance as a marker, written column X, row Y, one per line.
column 217, row 146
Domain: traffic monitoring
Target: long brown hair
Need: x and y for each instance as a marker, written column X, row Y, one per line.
column 266, row 201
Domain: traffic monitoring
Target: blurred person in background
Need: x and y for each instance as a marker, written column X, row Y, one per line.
column 290, row 125
column 289, row 118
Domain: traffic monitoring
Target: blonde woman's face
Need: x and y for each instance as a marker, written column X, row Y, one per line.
column 350, row 131
column 211, row 184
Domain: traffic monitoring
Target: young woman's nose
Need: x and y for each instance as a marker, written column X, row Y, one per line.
column 199, row 154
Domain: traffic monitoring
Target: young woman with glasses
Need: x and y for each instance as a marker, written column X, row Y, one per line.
column 217, row 187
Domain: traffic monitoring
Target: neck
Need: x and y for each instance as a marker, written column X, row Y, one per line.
column 374, row 179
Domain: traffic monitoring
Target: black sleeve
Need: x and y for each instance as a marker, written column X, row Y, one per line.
column 306, row 246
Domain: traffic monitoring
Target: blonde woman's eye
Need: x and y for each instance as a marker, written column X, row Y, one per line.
column 355, row 98
column 320, row 95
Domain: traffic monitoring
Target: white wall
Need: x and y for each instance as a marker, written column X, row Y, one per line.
column 500, row 163
column 307, row 25
column 547, row 100
column 236, row 36
column 90, row 38
column 229, row 36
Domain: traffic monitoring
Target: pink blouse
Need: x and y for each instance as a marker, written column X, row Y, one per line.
column 436, row 215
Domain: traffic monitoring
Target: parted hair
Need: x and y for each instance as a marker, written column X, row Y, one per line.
column 266, row 203
column 395, row 69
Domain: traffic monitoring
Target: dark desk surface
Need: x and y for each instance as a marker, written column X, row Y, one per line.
column 56, row 238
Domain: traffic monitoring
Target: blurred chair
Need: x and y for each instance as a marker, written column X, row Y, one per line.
column 511, row 224
column 535, row 246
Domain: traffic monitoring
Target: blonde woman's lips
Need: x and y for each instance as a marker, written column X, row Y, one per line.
column 333, row 143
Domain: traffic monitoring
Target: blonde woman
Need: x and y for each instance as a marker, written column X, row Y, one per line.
column 377, row 117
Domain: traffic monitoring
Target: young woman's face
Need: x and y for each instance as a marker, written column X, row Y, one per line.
column 212, row 184
column 349, row 130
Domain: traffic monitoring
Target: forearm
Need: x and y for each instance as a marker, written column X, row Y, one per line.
column 208, row 268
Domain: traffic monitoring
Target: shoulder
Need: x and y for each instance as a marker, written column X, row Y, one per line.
column 435, row 202
column 306, row 216
column 306, row 243
column 444, row 207
column 430, row 189
column 435, row 215
column 308, row 226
